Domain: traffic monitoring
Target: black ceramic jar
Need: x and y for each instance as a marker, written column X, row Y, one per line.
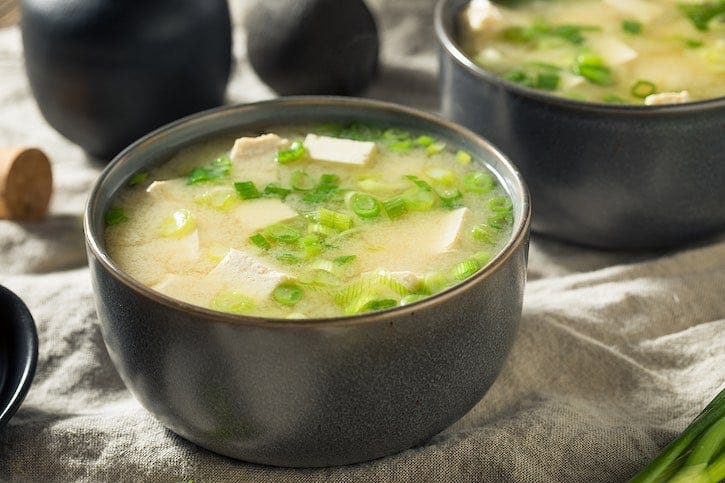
column 603, row 175
column 105, row 72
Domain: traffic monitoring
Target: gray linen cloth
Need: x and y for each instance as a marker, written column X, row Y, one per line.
column 616, row 353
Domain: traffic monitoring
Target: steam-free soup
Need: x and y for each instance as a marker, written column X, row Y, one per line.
column 619, row 51
column 305, row 223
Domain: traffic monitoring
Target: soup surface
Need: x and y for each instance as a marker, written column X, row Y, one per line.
column 317, row 222
column 619, row 51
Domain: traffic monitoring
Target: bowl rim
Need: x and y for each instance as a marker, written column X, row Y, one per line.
column 518, row 237
column 450, row 47
column 24, row 327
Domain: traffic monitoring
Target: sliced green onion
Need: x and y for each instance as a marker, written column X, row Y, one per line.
column 700, row 14
column 632, row 27
column 246, row 190
column 321, row 264
column 378, row 304
column 274, row 190
column 219, row 168
column 281, row 233
column 345, row 259
column 422, row 184
column 232, row 302
column 463, row 157
column 319, row 229
column 334, row 219
column 395, row 207
column 379, row 285
column 137, row 178
column 288, row 258
column 484, row 233
column 401, row 146
column 114, row 216
column 218, row 198
column 434, row 282
column 477, row 182
column 376, row 186
column 613, row 99
column 693, row 43
column 326, row 188
column 642, row 89
column 417, row 199
column 365, row 205
column 295, row 152
column 395, row 134
column 450, row 197
column 435, row 148
column 301, row 181
column 547, row 81
column 259, row 240
column 482, row 257
column 592, row 68
column 442, row 176
column 311, row 245
column 180, row 223
column 287, row 294
column 500, row 219
column 464, row 269
column 424, row 141
column 500, row 203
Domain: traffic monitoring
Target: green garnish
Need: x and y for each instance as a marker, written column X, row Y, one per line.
column 463, row 157
column 378, row 304
column 613, row 99
column 464, row 270
column 219, row 168
column 592, row 68
column 701, row 14
column 450, row 197
column 642, row 89
column 435, row 148
column 246, row 190
column 424, row 141
column 395, row 207
column 179, row 224
column 632, row 27
column 538, row 31
column 114, row 216
column 288, row 258
column 537, row 75
column 327, row 187
column 296, row 151
column 137, row 178
column 422, row 184
column 274, row 190
column 334, row 219
column 311, row 245
column 365, row 205
column 287, row 294
column 477, row 182
column 281, row 233
column 344, row 259
column 259, row 240
column 484, row 233
column 232, row 302
column 693, row 43
column 301, row 181
column 417, row 199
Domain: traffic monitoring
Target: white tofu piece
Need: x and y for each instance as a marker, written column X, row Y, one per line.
column 408, row 279
column 667, row 98
column 169, row 190
column 244, row 273
column 254, row 215
column 481, row 16
column 174, row 285
column 343, row 151
column 641, row 10
column 450, row 229
column 612, row 50
column 248, row 147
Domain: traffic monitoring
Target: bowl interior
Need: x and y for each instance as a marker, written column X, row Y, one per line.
column 248, row 119
column 18, row 353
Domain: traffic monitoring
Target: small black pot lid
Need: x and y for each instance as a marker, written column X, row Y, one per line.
column 18, row 353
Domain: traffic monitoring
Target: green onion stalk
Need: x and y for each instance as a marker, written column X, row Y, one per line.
column 697, row 455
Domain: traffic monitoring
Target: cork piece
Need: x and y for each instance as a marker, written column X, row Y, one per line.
column 26, row 183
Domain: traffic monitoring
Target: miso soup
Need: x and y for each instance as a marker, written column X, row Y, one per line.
column 312, row 222
column 617, row 51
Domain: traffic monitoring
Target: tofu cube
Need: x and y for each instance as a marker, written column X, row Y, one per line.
column 343, row 151
column 254, row 146
column 244, row 273
column 451, row 229
column 667, row 98
column 481, row 16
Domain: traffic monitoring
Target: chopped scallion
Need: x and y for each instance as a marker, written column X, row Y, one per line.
column 301, row 181
column 273, row 190
column 114, row 216
column 232, row 302
column 334, row 219
column 259, row 240
column 464, row 269
column 246, row 190
column 642, row 89
column 219, row 168
column 311, row 245
column 632, row 26
column 592, row 68
column 463, row 157
column 365, row 205
column 435, row 148
column 345, row 259
column 180, row 223
column 281, row 233
column 295, row 152
column 395, row 207
column 287, row 294
column 477, row 182
column 417, row 199
column 424, row 141
column 137, row 178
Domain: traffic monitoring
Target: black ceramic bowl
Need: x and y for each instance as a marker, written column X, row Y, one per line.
column 18, row 353
column 603, row 175
column 312, row 392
